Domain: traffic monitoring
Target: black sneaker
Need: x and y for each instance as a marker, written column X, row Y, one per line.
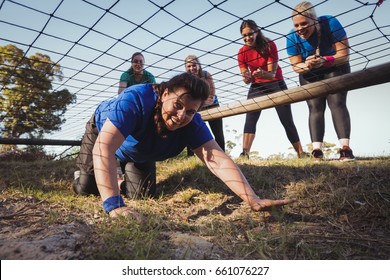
column 317, row 154
column 346, row 154
column 244, row 155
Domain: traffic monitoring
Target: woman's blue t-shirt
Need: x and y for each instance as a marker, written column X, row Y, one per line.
column 331, row 32
column 132, row 113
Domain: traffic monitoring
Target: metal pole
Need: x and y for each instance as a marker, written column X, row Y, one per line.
column 48, row 142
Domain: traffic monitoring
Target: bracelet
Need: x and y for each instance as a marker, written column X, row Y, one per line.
column 112, row 203
column 329, row 61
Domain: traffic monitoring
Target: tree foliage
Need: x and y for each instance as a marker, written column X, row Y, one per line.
column 28, row 104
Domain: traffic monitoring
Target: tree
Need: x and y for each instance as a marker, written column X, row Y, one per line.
column 28, row 105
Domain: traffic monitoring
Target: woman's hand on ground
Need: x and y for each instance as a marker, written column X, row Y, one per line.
column 268, row 204
column 126, row 212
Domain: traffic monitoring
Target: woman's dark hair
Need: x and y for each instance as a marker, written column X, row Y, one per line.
column 135, row 54
column 262, row 45
column 194, row 86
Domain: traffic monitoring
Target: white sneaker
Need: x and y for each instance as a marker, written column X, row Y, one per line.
column 77, row 174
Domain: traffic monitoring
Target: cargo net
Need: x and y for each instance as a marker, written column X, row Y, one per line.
column 91, row 44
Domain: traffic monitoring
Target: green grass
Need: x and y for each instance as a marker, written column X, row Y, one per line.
column 341, row 210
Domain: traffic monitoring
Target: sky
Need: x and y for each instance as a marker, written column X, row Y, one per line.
column 94, row 40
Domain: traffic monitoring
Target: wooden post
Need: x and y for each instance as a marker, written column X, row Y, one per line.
column 364, row 78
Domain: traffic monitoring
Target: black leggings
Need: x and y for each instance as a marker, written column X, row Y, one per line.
column 216, row 127
column 140, row 178
column 337, row 104
column 284, row 112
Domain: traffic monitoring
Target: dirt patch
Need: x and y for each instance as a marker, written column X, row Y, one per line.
column 27, row 232
column 190, row 247
column 53, row 243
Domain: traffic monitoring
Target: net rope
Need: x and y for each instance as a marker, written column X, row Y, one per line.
column 76, row 35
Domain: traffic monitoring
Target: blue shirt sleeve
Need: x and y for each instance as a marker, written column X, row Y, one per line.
column 292, row 43
column 128, row 110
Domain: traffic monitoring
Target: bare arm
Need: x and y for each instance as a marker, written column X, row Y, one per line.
column 122, row 86
column 342, row 52
column 298, row 64
column 340, row 57
column 246, row 75
column 107, row 142
column 268, row 74
column 225, row 169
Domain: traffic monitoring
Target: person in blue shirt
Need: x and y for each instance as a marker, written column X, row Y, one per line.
column 148, row 123
column 318, row 49
column 136, row 74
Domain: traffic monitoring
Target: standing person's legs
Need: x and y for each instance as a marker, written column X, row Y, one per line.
column 286, row 118
column 317, row 108
column 338, row 106
column 317, row 125
column 249, row 131
column 251, row 119
column 217, row 129
column 84, row 182
column 340, row 114
column 140, row 179
column 342, row 123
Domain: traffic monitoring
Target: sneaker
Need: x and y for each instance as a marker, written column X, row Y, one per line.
column 317, row 154
column 76, row 174
column 122, row 187
column 244, row 155
column 346, row 154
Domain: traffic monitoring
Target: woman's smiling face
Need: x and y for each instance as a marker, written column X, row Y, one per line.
column 137, row 64
column 178, row 108
column 192, row 67
column 304, row 26
column 249, row 36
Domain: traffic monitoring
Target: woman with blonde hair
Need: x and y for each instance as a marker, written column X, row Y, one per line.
column 193, row 66
column 318, row 49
